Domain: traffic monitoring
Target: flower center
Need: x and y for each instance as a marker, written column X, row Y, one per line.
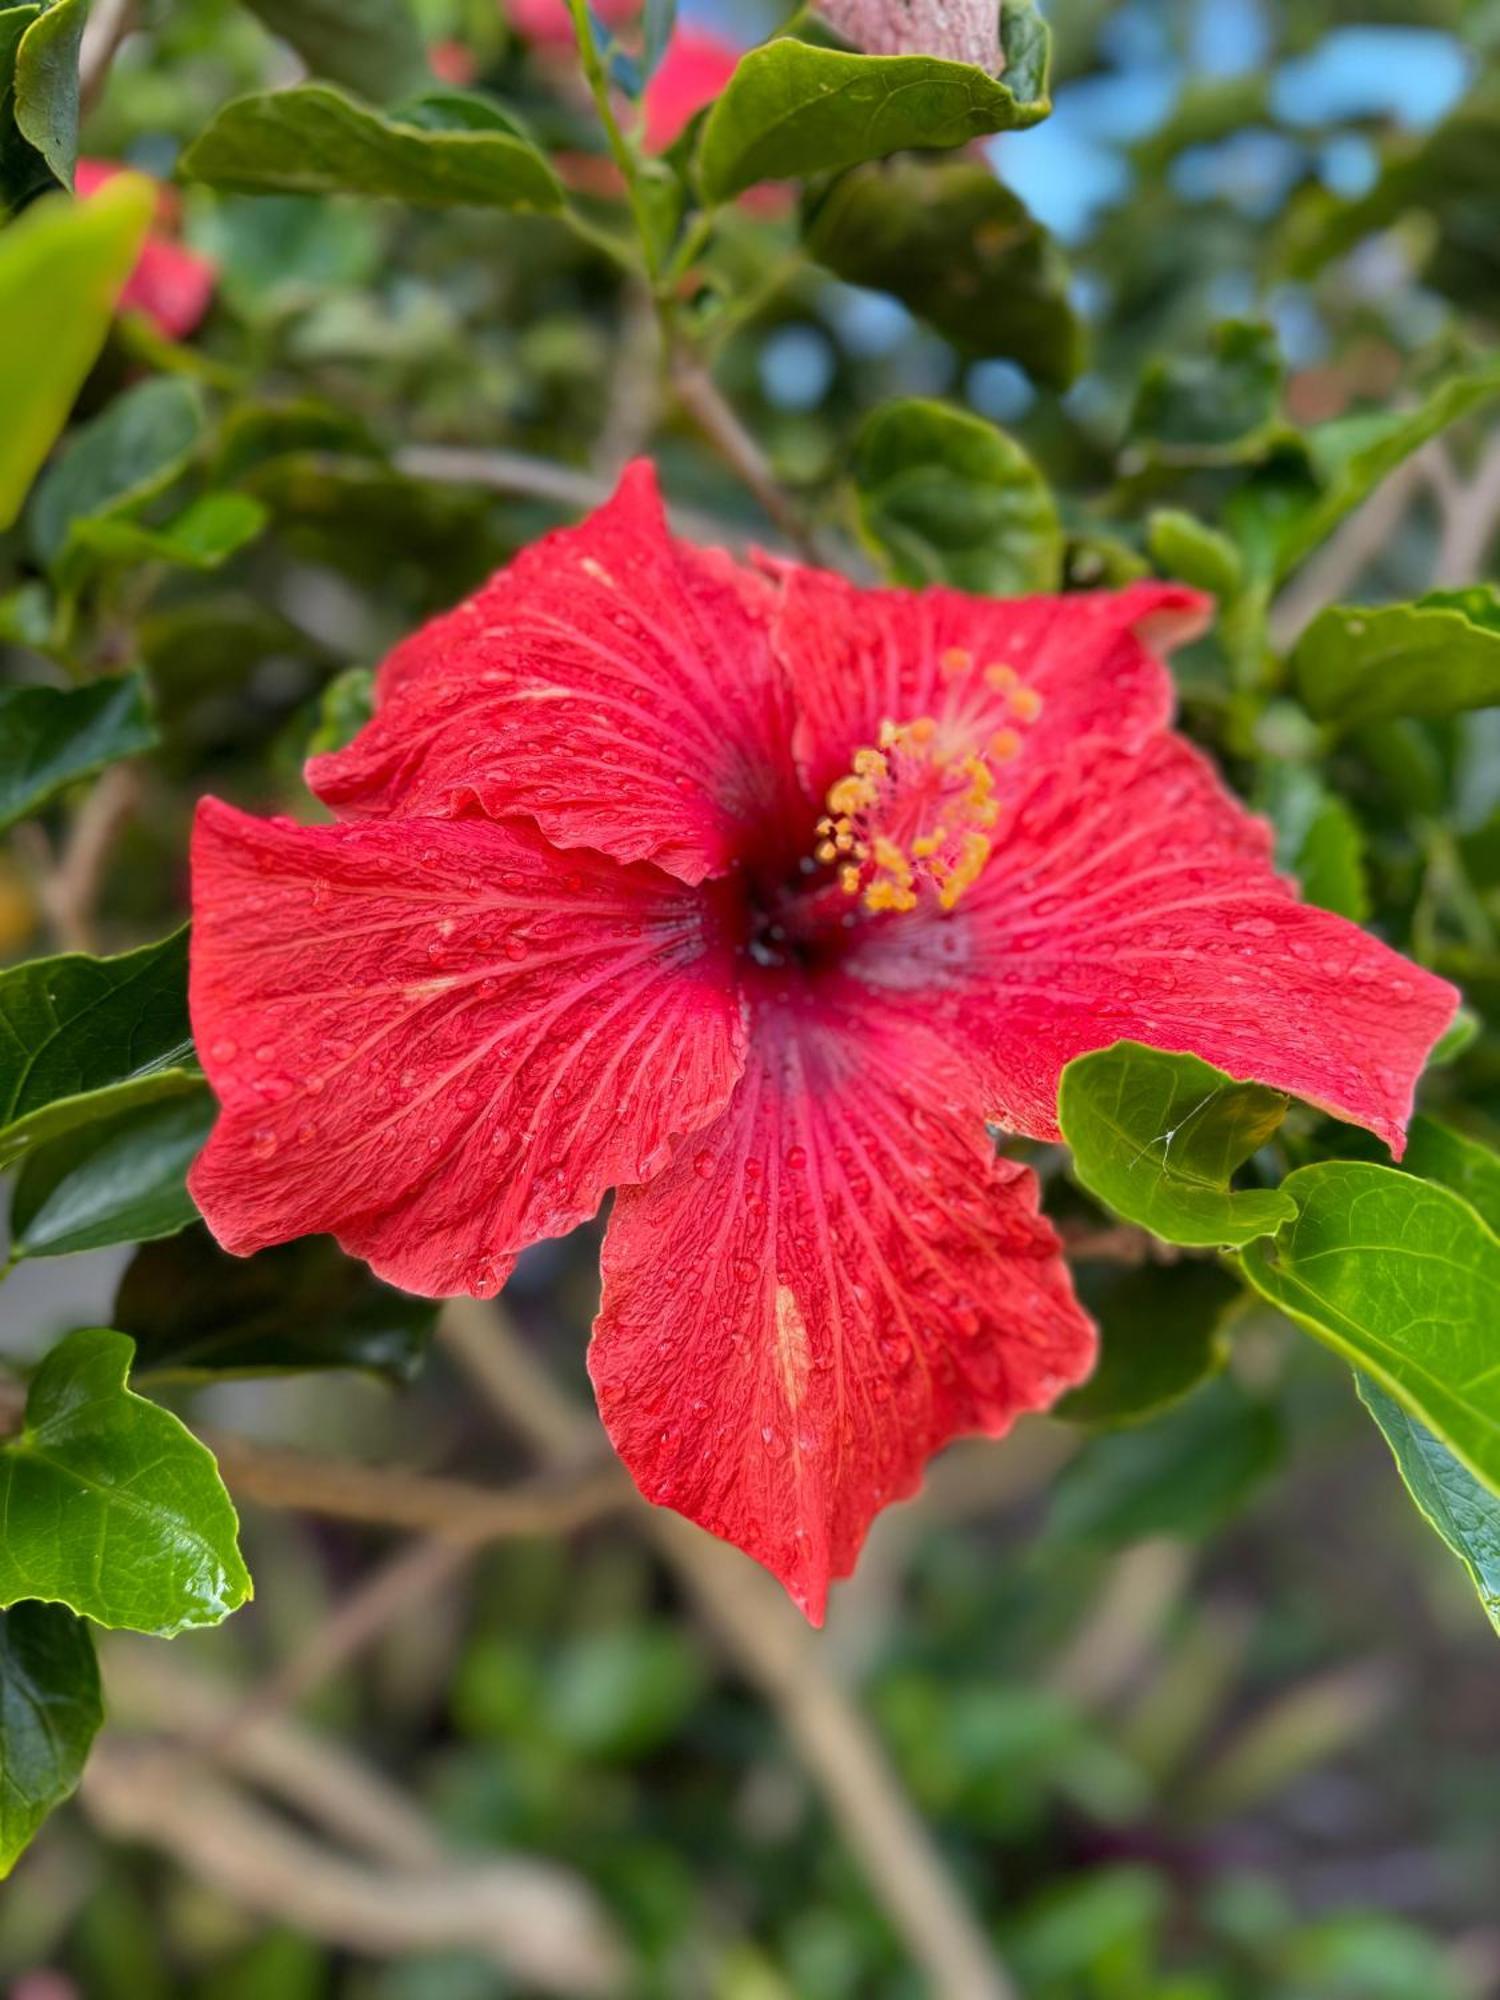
column 918, row 808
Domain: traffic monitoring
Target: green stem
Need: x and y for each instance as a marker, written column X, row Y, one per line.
column 621, row 150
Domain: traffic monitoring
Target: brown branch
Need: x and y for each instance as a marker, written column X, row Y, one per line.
column 529, row 1921
column 454, row 1510
column 390, row 1592
column 700, row 398
column 558, row 485
column 69, row 888
column 1471, row 515
column 108, row 24
column 772, row 1647
column 1333, row 572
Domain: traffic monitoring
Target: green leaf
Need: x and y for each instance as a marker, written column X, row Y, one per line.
column 1159, row 1336
column 46, row 85
column 959, row 249
column 195, row 1311
column 1464, row 1513
column 1438, row 656
column 49, row 737
column 1221, row 407
column 791, row 110
column 203, row 536
column 1184, row 1475
column 373, row 47
column 1185, row 549
column 50, row 1712
column 1156, row 1137
column 129, row 454
column 1402, row 1279
column 1331, row 863
column 82, row 1038
column 110, row 1505
column 23, row 172
column 1353, row 456
column 945, row 497
column 344, row 707
column 119, row 1180
column 1435, row 1152
column 313, row 140
column 61, row 269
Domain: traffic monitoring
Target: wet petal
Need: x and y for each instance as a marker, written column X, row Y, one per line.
column 439, row 1040
column 613, row 684
column 1043, row 670
column 1133, row 897
column 826, row 1287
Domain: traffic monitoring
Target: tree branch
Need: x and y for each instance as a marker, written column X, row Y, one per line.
column 700, row 398
column 778, row 1654
column 453, row 1510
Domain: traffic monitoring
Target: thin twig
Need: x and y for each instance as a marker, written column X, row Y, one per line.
column 69, row 889
column 454, row 1510
column 391, row 1591
column 1471, row 515
column 525, row 1919
column 1338, row 566
column 775, row 1651
column 559, row 485
column 702, row 401
column 108, row 23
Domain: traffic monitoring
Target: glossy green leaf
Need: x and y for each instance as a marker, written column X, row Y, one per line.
column 118, row 1180
column 1189, row 551
column 944, row 497
column 1159, row 1336
column 46, row 85
column 207, row 532
column 50, row 1712
column 313, row 140
column 1435, row 1152
column 1402, row 1278
column 961, row 251
column 1438, row 656
column 23, row 172
column 49, row 737
column 791, row 110
column 373, row 47
column 1465, row 1514
column 1184, row 1474
column 130, row 453
column 1157, row 1138
column 82, row 1038
column 195, row 1311
column 111, row 1506
column 61, row 269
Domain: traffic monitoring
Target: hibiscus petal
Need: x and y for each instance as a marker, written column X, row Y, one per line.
column 1134, row 898
column 612, row 684
column 825, row 1287
column 441, row 1040
column 858, row 658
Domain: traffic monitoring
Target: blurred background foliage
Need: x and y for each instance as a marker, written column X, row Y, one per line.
column 1184, row 1731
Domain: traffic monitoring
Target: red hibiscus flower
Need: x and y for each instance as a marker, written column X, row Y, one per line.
column 170, row 285
column 755, row 897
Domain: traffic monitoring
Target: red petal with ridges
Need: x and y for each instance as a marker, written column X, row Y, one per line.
column 611, row 684
column 439, row 1041
column 857, row 658
column 1134, row 898
column 826, row 1287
